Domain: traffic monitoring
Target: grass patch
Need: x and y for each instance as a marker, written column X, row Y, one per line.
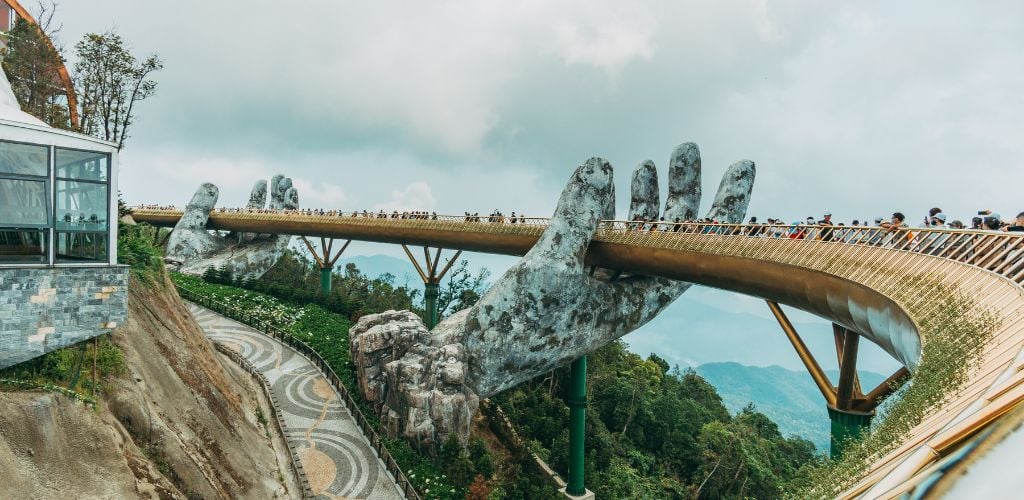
column 72, row 364
column 953, row 338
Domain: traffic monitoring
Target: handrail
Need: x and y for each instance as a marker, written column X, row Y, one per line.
column 996, row 251
column 293, row 459
column 265, row 327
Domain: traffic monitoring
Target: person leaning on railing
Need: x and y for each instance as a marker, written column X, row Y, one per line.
column 896, row 225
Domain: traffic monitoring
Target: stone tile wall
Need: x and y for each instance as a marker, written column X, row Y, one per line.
column 42, row 309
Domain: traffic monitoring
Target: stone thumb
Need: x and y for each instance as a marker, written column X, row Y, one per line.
column 197, row 212
column 583, row 203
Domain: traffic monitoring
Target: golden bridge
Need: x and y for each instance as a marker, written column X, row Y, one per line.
column 948, row 305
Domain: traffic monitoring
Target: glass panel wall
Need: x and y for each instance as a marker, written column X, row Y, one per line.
column 24, row 159
column 67, row 219
column 82, row 202
column 24, row 203
column 27, row 246
column 81, row 206
column 84, row 165
column 81, row 247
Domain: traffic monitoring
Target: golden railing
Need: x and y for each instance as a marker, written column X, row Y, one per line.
column 996, row 251
column 922, row 270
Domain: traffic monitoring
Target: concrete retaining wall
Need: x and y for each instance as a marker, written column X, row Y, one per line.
column 42, row 309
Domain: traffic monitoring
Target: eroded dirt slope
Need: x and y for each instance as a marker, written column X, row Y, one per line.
column 182, row 423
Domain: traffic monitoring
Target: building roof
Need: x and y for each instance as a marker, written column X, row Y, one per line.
column 9, row 108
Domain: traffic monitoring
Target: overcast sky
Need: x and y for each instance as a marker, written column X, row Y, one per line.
column 860, row 108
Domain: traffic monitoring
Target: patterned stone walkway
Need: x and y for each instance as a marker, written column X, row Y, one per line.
column 338, row 460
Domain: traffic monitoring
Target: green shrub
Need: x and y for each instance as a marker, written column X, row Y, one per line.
column 135, row 248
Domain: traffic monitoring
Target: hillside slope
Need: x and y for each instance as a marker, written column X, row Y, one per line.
column 181, row 423
column 788, row 397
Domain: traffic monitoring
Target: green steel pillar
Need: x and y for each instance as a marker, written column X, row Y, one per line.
column 577, row 425
column 430, row 295
column 325, row 279
column 846, row 425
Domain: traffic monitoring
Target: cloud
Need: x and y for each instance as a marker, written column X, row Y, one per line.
column 319, row 194
column 847, row 104
column 414, row 197
column 608, row 42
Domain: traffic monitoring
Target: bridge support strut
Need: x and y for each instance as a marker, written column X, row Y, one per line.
column 431, row 280
column 849, row 409
column 325, row 260
column 577, row 428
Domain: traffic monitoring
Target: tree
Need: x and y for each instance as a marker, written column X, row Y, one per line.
column 456, row 461
column 33, row 66
column 462, row 289
column 110, row 81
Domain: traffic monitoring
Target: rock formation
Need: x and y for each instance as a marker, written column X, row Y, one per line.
column 246, row 255
column 545, row 312
column 414, row 378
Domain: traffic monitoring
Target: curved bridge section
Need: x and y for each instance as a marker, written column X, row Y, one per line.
column 900, row 290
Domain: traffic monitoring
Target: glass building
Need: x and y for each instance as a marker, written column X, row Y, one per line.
column 59, row 279
column 57, row 201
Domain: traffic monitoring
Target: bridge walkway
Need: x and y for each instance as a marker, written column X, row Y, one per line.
column 338, row 460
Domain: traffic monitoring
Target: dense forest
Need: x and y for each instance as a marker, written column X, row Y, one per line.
column 656, row 432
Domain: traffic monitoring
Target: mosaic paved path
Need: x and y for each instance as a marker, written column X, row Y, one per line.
column 338, row 460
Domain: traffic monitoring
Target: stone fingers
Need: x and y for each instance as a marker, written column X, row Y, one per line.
column 279, row 186
column 584, row 201
column 291, row 198
column 258, row 197
column 644, row 202
column 684, row 189
column 733, row 196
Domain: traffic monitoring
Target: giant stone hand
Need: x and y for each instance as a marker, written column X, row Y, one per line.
column 543, row 313
column 246, row 255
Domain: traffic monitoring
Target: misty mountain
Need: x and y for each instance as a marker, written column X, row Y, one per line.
column 788, row 397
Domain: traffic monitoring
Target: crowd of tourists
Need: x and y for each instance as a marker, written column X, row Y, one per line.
column 810, row 228
column 826, row 228
column 893, row 231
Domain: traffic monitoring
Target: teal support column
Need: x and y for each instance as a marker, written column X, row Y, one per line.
column 325, row 279
column 430, row 296
column 846, row 426
column 577, row 425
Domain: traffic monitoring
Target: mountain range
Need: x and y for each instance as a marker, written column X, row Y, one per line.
column 788, row 397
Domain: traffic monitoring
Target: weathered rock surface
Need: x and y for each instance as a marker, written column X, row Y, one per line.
column 643, row 202
column 545, row 312
column 414, row 378
column 246, row 255
column 181, row 423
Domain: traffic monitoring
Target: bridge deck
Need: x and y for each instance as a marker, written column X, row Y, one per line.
column 900, row 290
